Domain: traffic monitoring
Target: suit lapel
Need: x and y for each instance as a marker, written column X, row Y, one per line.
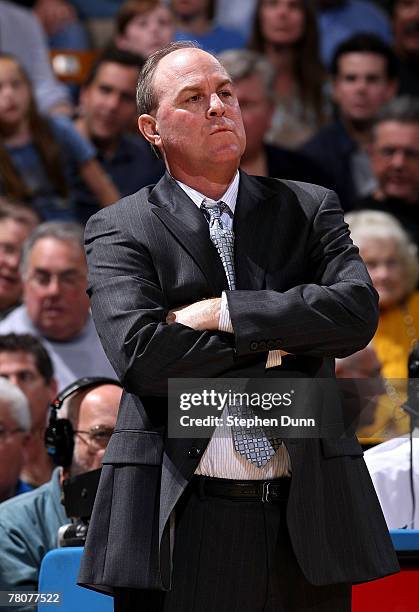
column 187, row 223
column 254, row 220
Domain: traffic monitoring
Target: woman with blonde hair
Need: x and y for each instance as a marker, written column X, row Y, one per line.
column 391, row 259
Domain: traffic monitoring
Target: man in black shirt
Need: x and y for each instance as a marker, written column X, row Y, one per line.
column 395, row 162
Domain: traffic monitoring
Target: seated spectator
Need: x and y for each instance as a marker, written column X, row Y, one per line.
column 395, row 162
column 107, row 115
column 26, row 363
column 143, row 27
column 405, row 19
column 40, row 157
column 55, row 304
column 28, row 530
column 61, row 24
column 22, row 36
column 339, row 20
column 194, row 20
column 364, row 79
column 253, row 78
column 391, row 260
column 15, row 423
column 286, row 32
column 16, row 223
column 359, row 376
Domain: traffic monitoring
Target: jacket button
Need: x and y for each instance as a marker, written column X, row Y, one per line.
column 194, row 452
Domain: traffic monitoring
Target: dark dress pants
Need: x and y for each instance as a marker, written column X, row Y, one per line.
column 235, row 556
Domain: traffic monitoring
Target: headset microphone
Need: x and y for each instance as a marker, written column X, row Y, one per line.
column 59, row 435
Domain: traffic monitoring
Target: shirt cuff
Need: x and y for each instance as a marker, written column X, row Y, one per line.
column 274, row 359
column 224, row 322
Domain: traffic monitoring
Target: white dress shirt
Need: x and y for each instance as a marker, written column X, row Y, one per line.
column 220, row 459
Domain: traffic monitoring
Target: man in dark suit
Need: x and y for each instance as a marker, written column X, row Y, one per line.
column 183, row 525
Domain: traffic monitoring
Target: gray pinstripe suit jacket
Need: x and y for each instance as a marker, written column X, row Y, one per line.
column 302, row 287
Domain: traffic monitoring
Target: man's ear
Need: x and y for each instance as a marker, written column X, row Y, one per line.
column 149, row 129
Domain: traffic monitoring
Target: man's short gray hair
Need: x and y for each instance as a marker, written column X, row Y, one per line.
column 17, row 403
column 243, row 63
column 373, row 224
column 146, row 96
column 59, row 230
column 404, row 109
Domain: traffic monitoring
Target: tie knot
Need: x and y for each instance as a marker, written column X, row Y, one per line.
column 213, row 209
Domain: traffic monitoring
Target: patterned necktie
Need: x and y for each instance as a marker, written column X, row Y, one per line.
column 252, row 442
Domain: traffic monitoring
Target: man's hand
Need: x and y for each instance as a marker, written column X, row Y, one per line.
column 202, row 315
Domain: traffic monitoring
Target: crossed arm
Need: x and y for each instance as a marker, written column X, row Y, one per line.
column 147, row 342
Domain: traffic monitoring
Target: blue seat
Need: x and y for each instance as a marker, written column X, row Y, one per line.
column 58, row 574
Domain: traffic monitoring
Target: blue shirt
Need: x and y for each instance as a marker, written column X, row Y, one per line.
column 28, row 530
column 216, row 40
column 22, row 487
column 75, row 152
column 132, row 166
column 352, row 17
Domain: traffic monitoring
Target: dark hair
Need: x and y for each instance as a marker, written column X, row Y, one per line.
column 146, row 98
column 366, row 43
column 308, row 69
column 43, row 139
column 112, row 55
column 13, row 343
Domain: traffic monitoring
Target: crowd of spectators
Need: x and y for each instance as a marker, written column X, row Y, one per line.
column 329, row 92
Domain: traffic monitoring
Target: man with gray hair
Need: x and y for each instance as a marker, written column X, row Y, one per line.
column 56, row 307
column 395, row 158
column 253, row 79
column 15, row 425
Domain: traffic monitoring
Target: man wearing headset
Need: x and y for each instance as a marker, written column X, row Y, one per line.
column 28, row 529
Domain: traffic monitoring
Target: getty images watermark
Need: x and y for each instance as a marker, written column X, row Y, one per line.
column 292, row 408
column 229, row 401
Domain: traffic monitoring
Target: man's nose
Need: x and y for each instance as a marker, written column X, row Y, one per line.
column 112, row 101
column 53, row 287
column 12, row 259
column 398, row 159
column 216, row 106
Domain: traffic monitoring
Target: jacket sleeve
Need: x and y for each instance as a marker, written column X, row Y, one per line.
column 129, row 309
column 333, row 316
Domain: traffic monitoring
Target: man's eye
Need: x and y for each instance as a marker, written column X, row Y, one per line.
column 195, row 98
column 225, row 94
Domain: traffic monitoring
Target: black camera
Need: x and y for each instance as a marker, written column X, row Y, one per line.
column 79, row 494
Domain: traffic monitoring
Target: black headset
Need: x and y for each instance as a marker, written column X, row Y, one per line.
column 59, row 435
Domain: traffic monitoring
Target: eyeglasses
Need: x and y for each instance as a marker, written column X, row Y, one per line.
column 6, row 433
column 97, row 437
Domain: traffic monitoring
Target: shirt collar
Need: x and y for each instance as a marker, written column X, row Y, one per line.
column 229, row 197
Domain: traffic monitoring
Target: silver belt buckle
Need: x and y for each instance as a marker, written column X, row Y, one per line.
column 266, row 492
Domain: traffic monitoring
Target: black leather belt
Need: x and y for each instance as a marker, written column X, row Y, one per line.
column 267, row 491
